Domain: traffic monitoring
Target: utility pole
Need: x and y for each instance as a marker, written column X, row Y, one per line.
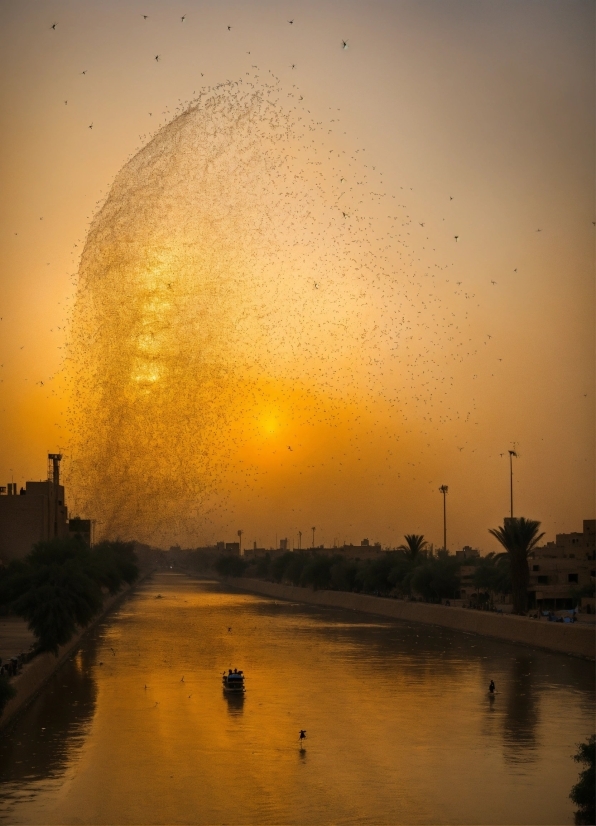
column 299, row 540
column 313, row 537
column 443, row 489
column 512, row 453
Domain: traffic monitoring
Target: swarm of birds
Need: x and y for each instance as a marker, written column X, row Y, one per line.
column 196, row 293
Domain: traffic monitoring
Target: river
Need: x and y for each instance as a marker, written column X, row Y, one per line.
column 135, row 729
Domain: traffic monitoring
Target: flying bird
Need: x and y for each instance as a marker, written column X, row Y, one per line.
column 54, row 25
column 183, row 18
column 290, row 22
column 456, row 237
column 344, row 44
column 157, row 57
column 493, row 282
column 229, row 28
column 145, row 17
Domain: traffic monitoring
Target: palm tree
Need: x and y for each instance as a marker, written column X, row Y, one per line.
column 519, row 536
column 415, row 544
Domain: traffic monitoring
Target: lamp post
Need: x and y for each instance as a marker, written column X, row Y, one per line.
column 443, row 489
column 512, row 453
column 240, row 542
column 299, row 540
column 313, row 537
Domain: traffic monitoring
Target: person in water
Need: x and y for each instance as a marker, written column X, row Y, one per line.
column 302, row 735
column 492, row 687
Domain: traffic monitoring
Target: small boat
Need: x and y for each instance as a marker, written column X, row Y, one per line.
column 233, row 681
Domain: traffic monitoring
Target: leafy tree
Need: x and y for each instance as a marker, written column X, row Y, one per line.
column 344, row 574
column 415, row 545
column 294, row 567
column 230, row 565
column 114, row 563
column 492, row 574
column 373, row 576
column 263, row 565
column 519, row 536
column 400, row 576
column 436, row 578
column 584, row 791
column 279, row 565
column 317, row 572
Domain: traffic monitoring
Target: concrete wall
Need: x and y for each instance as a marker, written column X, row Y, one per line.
column 575, row 639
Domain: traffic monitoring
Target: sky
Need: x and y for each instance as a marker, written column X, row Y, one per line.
column 479, row 116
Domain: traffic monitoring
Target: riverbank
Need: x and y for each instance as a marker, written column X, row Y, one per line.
column 574, row 639
column 37, row 672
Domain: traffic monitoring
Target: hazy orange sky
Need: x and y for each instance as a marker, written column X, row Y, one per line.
column 482, row 112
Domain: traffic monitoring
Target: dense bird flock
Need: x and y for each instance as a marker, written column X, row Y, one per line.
column 246, row 264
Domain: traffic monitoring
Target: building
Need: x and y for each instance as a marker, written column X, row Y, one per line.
column 562, row 573
column 38, row 512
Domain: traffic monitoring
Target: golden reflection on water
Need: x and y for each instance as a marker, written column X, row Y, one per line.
column 400, row 727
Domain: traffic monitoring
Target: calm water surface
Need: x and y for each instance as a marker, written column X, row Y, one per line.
column 135, row 728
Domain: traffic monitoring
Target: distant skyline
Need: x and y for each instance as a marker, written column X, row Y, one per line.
column 480, row 116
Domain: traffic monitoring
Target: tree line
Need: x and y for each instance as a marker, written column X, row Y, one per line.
column 413, row 569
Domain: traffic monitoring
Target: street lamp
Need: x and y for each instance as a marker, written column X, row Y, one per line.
column 512, row 453
column 313, row 537
column 240, row 542
column 299, row 540
column 443, row 489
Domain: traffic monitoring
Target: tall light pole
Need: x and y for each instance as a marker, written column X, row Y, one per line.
column 512, row 453
column 443, row 489
column 299, row 540
column 313, row 537
column 240, row 542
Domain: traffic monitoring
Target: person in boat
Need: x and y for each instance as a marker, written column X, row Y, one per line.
column 302, row 735
column 492, row 687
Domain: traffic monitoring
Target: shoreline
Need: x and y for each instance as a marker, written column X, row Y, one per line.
column 572, row 639
column 37, row 672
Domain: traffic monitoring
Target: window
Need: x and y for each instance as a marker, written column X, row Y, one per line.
column 572, row 578
column 535, row 567
column 543, row 580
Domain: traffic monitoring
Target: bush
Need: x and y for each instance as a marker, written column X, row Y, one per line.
column 584, row 791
